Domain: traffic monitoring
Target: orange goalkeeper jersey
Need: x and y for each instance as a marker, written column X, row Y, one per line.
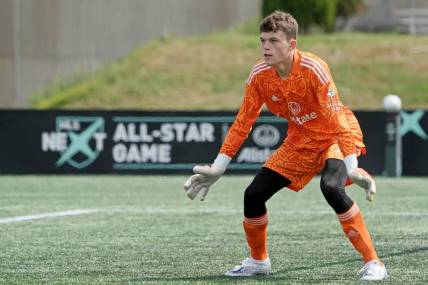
column 307, row 98
column 355, row 129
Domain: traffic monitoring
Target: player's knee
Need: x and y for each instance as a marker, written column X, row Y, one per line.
column 254, row 202
column 266, row 183
column 330, row 190
column 253, row 196
column 329, row 186
column 335, row 195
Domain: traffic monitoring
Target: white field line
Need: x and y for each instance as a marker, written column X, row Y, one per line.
column 184, row 211
column 46, row 215
column 178, row 211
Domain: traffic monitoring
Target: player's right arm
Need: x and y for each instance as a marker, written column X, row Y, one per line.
column 241, row 127
column 205, row 176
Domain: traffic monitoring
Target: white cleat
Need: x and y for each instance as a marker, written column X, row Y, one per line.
column 250, row 267
column 373, row 271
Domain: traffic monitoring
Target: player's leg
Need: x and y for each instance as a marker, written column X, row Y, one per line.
column 264, row 185
column 333, row 188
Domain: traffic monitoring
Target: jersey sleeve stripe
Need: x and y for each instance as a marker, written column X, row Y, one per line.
column 313, row 68
column 258, row 65
column 317, row 68
column 257, row 69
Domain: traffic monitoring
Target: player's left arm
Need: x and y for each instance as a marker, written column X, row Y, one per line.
column 333, row 109
column 355, row 127
column 340, row 124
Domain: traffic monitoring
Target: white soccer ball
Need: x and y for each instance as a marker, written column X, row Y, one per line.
column 392, row 103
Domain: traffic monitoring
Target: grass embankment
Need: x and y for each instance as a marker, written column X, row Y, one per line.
column 208, row 73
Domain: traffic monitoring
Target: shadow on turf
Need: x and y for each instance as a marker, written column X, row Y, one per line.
column 221, row 279
column 224, row 279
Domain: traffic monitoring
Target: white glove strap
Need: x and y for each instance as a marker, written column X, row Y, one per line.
column 222, row 161
column 351, row 162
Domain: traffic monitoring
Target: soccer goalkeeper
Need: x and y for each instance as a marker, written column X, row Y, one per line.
column 297, row 86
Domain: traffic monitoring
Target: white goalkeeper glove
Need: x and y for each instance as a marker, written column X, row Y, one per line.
column 205, row 176
column 359, row 176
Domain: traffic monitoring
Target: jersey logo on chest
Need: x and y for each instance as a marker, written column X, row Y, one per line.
column 294, row 108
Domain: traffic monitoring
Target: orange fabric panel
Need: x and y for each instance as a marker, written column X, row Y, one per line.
column 241, row 127
column 355, row 127
column 300, row 165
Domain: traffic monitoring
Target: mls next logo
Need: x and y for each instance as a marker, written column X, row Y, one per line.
column 411, row 123
column 78, row 139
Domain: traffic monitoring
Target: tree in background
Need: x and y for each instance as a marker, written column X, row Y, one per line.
column 347, row 8
column 308, row 13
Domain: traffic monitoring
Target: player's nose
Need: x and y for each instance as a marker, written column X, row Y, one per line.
column 266, row 48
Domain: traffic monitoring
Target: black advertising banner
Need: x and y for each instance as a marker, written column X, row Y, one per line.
column 134, row 142
column 414, row 132
column 126, row 142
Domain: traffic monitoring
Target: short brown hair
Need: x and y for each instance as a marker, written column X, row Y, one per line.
column 280, row 21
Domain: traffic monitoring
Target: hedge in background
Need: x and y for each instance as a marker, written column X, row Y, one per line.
column 308, row 13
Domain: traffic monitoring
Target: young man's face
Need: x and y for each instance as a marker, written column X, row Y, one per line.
column 276, row 48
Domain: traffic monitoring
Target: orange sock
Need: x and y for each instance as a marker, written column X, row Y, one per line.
column 256, row 232
column 355, row 229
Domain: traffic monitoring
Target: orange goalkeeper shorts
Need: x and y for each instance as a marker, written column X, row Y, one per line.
column 300, row 166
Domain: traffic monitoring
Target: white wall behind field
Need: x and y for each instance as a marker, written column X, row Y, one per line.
column 45, row 39
column 383, row 15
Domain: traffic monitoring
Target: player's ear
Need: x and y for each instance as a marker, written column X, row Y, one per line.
column 293, row 43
